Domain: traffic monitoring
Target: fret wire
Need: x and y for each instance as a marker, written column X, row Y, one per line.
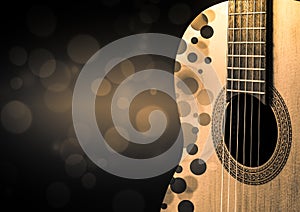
column 239, row 28
column 246, row 80
column 244, row 68
column 247, row 42
column 236, row 55
column 250, row 13
column 245, row 91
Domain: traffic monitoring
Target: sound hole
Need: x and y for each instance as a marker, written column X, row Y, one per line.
column 250, row 130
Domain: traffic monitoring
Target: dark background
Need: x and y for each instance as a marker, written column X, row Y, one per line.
column 34, row 174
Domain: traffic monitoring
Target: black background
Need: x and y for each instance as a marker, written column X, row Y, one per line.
column 33, row 166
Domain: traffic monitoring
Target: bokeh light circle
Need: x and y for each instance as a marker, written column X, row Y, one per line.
column 82, row 47
column 16, row 117
column 41, row 62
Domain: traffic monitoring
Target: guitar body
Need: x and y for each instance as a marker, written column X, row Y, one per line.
column 216, row 182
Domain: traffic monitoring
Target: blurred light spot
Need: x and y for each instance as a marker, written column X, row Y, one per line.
column 195, row 130
column 188, row 136
column 28, row 78
column 59, row 80
column 192, row 84
column 16, row 83
column 70, row 146
column 149, row 14
column 120, row 71
column 123, row 103
column 127, row 68
column 137, row 26
column 203, row 44
column 205, row 97
column 210, row 14
column 182, row 47
column 142, row 119
column 169, row 197
column 115, row 140
column 192, row 57
column 192, row 184
column 16, row 117
column 41, row 62
column 128, row 200
column 179, row 13
column 75, row 69
column 75, row 165
column 56, row 146
column 58, row 194
column 153, row 91
column 199, row 22
column 103, row 89
column 177, row 66
column 41, row 21
column 88, row 180
column 204, row 119
column 58, row 102
column 82, row 47
column 47, row 68
column 18, row 55
column 184, row 108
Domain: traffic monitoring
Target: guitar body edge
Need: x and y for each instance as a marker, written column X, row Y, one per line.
column 216, row 189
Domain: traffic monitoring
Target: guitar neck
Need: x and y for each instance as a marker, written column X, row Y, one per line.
column 246, row 56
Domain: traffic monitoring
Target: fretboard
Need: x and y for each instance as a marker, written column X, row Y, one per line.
column 246, row 55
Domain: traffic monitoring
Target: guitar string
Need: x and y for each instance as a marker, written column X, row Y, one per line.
column 259, row 76
column 231, row 74
column 252, row 87
column 231, row 108
column 230, row 3
column 231, row 95
column 238, row 107
column 245, row 99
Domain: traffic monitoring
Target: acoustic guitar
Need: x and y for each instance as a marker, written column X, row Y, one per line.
column 241, row 61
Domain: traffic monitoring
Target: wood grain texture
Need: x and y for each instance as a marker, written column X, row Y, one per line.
column 216, row 190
